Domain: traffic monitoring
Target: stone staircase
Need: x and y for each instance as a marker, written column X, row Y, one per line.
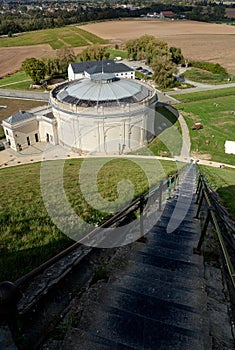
column 158, row 302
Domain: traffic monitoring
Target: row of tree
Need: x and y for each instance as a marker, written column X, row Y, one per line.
column 33, row 19
column 49, row 67
column 159, row 56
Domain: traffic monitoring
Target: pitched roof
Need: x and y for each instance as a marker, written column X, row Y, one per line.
column 106, row 66
column 18, row 117
column 168, row 13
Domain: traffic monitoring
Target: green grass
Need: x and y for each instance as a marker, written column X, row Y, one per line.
column 18, row 80
column 28, row 236
column 223, row 181
column 116, row 53
column 167, row 143
column 203, row 76
column 217, row 117
column 14, row 78
column 69, row 36
column 205, row 95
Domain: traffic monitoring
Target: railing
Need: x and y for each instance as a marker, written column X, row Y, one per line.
column 10, row 293
column 207, row 201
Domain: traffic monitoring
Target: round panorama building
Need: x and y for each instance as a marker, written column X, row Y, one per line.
column 104, row 113
column 99, row 113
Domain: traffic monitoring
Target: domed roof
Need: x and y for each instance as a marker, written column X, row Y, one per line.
column 102, row 89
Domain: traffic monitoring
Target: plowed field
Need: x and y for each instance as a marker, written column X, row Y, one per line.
column 198, row 40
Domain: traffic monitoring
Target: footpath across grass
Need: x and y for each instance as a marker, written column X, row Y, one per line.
column 18, row 80
column 27, row 234
column 215, row 110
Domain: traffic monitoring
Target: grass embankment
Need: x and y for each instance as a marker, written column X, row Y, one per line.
column 215, row 109
column 27, row 234
column 203, row 76
column 69, row 36
column 18, row 80
column 168, row 141
column 223, row 181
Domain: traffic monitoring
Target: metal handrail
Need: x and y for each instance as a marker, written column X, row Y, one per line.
column 10, row 292
column 212, row 216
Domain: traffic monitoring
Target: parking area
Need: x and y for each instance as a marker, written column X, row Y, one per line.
column 139, row 66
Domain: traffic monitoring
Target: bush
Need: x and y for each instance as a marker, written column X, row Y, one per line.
column 215, row 68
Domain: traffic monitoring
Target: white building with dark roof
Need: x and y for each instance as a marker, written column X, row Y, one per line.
column 101, row 113
column 78, row 70
column 27, row 128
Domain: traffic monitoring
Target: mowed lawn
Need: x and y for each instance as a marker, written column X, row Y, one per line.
column 27, row 234
column 216, row 111
column 69, row 36
column 223, row 181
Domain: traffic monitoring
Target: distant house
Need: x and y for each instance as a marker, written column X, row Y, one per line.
column 167, row 14
column 79, row 70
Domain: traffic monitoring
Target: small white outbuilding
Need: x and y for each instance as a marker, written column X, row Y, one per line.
column 229, row 147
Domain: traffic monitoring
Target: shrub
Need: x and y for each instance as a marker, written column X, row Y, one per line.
column 215, row 68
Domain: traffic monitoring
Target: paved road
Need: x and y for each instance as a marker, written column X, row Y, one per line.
column 24, row 95
column 199, row 87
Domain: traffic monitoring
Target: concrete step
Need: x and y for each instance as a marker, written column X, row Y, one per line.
column 187, row 226
column 153, row 274
column 141, row 332
column 166, row 252
column 82, row 340
column 175, row 265
column 164, row 291
column 167, row 240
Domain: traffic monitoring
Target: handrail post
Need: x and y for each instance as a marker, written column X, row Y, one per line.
column 169, row 187
column 9, row 296
column 177, row 179
column 141, row 215
column 199, row 205
column 160, row 195
column 203, row 232
column 174, row 182
column 199, row 189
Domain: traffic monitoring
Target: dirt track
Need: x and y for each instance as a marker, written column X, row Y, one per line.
column 198, row 40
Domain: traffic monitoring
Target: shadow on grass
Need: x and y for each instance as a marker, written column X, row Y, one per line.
column 15, row 264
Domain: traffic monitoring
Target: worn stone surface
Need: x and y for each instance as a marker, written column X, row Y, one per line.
column 218, row 303
column 6, row 340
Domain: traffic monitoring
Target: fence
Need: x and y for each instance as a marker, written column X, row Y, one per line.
column 211, row 211
column 10, row 293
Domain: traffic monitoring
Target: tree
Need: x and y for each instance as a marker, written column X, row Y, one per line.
column 35, row 68
column 65, row 56
column 147, row 47
column 94, row 53
column 176, row 55
column 164, row 69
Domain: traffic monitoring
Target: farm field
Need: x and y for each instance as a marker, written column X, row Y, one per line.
column 27, row 234
column 41, row 43
column 198, row 40
column 215, row 110
column 11, row 58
